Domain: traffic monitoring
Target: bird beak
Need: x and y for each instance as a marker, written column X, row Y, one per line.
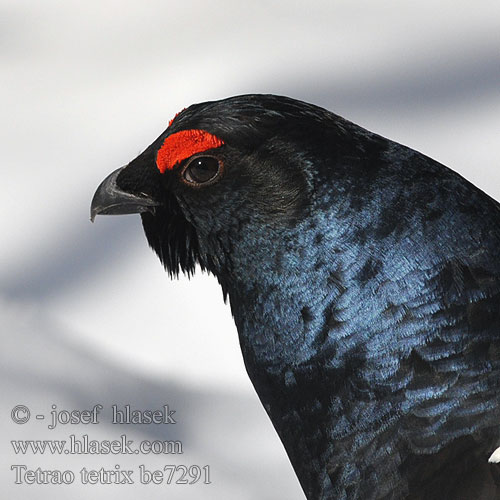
column 109, row 199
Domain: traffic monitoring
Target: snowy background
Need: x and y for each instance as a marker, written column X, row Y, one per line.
column 87, row 315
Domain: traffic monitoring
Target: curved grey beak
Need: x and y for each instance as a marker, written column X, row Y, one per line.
column 109, row 199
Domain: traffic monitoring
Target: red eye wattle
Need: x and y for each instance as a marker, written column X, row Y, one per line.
column 181, row 145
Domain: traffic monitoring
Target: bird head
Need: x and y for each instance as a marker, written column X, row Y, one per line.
column 226, row 179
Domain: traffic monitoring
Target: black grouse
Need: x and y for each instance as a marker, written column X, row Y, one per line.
column 364, row 280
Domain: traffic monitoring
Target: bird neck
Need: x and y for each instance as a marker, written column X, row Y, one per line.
column 280, row 290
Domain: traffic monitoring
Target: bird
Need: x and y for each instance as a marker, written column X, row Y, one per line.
column 364, row 281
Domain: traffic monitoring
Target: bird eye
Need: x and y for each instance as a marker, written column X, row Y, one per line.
column 202, row 170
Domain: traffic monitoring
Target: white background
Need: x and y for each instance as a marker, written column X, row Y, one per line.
column 87, row 314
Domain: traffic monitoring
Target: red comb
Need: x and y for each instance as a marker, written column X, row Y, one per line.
column 182, row 145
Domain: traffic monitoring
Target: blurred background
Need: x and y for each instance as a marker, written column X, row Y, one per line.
column 87, row 314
